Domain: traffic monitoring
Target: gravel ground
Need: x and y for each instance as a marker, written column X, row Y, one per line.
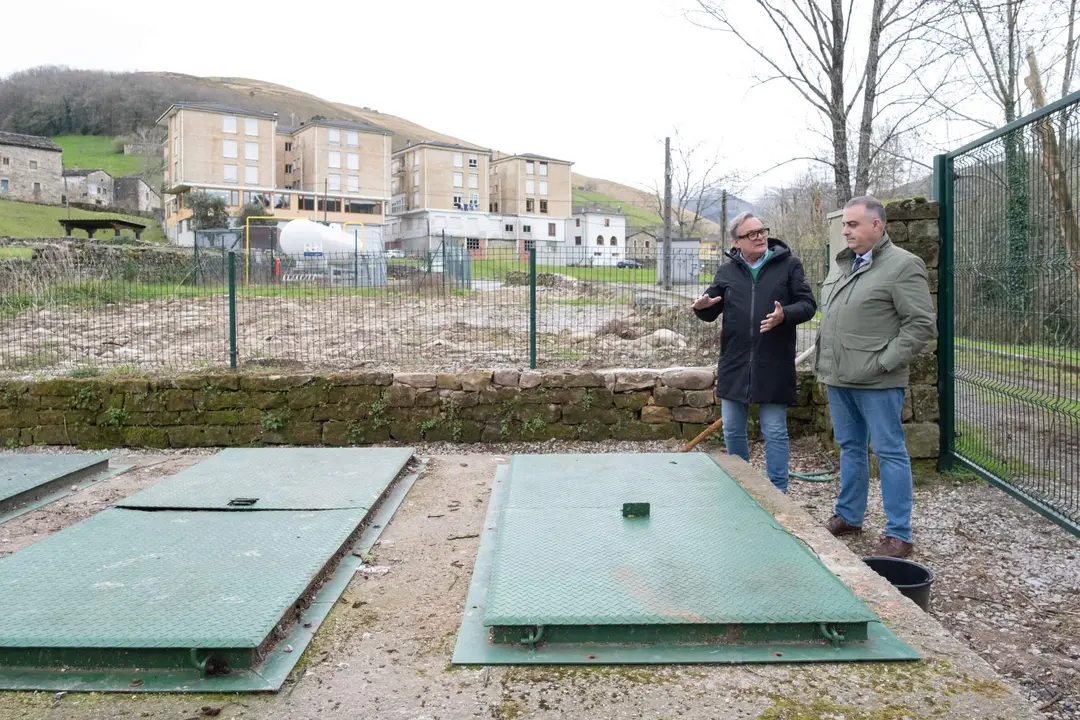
column 1007, row 581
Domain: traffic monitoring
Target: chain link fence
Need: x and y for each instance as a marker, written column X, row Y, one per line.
column 453, row 308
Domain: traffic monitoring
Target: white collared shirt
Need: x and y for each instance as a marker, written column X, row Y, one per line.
column 865, row 258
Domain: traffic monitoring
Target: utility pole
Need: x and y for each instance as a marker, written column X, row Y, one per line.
column 723, row 223
column 325, row 198
column 668, row 260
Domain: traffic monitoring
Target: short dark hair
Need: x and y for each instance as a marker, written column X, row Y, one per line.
column 871, row 203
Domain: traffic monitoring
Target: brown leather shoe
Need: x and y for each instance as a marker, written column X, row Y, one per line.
column 893, row 547
column 839, row 526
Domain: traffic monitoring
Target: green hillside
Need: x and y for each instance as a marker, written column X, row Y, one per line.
column 97, row 152
column 637, row 216
column 27, row 220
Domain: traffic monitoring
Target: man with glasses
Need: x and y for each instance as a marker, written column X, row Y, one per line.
column 762, row 293
column 877, row 315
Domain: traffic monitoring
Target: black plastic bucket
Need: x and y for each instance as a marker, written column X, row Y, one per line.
column 910, row 578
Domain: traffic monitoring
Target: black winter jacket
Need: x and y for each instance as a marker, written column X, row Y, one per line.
column 756, row 367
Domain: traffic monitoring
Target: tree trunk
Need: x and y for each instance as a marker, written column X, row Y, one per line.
column 841, row 166
column 866, row 122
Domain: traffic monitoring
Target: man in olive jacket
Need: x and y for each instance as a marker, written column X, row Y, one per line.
column 762, row 293
column 876, row 317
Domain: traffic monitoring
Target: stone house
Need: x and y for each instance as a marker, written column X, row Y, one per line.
column 133, row 194
column 641, row 245
column 30, row 169
column 89, row 187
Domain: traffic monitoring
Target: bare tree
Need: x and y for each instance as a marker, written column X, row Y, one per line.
column 810, row 47
column 697, row 182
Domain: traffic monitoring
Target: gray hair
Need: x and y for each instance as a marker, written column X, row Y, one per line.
column 871, row 203
column 733, row 226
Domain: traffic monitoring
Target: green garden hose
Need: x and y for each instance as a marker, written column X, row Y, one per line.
column 823, row 476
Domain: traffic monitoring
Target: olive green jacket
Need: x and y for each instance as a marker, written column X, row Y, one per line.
column 874, row 321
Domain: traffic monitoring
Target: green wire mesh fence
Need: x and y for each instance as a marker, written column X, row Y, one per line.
column 69, row 311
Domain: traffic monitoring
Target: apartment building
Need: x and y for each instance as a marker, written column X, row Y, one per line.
column 440, row 190
column 326, row 170
column 531, row 195
column 30, row 169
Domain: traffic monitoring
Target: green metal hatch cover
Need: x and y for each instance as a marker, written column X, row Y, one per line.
column 25, row 477
column 278, row 479
column 566, row 575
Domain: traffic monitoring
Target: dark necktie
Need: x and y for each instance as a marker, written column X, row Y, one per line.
column 858, row 263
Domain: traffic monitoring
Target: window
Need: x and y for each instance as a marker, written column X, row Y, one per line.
column 472, row 243
column 459, row 200
column 251, row 175
column 529, row 203
column 459, row 180
column 474, row 181
column 530, row 187
column 175, row 145
column 335, row 136
column 230, row 173
column 251, row 126
column 646, row 244
column 333, row 181
column 530, row 245
column 330, row 205
column 352, row 139
column 33, row 164
column 37, row 187
column 543, row 207
column 234, row 198
column 577, row 222
column 334, row 159
column 5, row 162
column 599, row 239
column 551, row 229
column 228, row 148
column 416, row 199
column 416, row 159
column 495, row 207
column 474, row 161
column 361, row 207
column 529, row 167
column 416, row 178
column 543, row 187
column 614, row 241
column 288, row 147
column 526, row 228
column 3, row 185
column 354, row 161
column 607, row 222
column 354, row 183
column 543, row 169
column 228, row 124
column 508, row 227
column 305, row 203
column 282, row 202
column 577, row 239
column 458, row 160
column 474, row 200
column 288, row 169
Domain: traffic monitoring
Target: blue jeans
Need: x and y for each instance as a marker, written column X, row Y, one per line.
column 773, row 426
column 858, row 416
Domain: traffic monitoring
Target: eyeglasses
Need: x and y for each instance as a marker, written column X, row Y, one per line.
column 754, row 234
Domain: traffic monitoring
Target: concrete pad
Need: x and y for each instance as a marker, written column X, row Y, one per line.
column 385, row 649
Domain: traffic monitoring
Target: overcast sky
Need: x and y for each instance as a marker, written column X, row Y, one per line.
column 598, row 82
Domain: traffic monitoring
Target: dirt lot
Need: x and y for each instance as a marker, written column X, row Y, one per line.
column 578, row 324
column 384, row 651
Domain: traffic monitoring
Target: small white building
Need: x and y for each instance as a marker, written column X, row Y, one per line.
column 89, row 187
column 596, row 236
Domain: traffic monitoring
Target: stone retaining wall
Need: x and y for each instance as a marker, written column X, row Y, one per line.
column 370, row 407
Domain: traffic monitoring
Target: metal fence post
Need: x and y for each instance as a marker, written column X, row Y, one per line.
column 943, row 191
column 532, row 307
column 195, row 277
column 232, row 310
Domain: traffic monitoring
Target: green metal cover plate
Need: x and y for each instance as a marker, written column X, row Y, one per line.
column 474, row 645
column 279, row 479
column 707, row 554
column 140, row 581
column 24, row 476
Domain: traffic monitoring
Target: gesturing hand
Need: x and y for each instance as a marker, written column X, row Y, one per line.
column 776, row 317
column 705, row 301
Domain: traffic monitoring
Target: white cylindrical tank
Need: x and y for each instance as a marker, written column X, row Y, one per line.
column 336, row 253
